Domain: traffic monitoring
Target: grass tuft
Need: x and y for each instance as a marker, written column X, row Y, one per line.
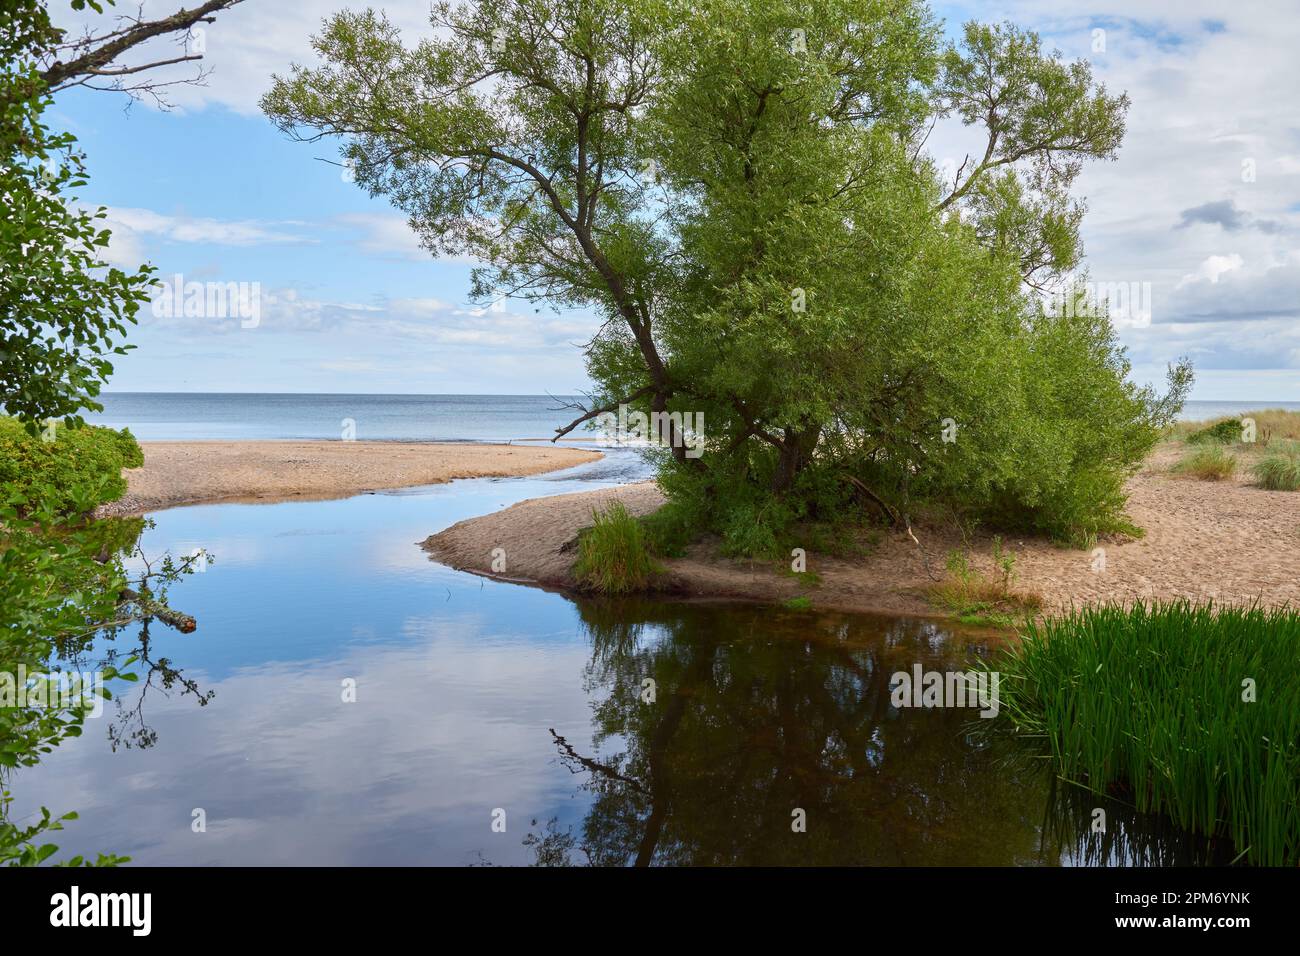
column 1278, row 472
column 1210, row 463
column 1191, row 711
column 982, row 601
column 612, row 553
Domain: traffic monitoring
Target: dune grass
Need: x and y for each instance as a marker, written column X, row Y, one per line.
column 1208, row 463
column 1278, row 472
column 1271, row 425
column 613, row 557
column 1191, row 711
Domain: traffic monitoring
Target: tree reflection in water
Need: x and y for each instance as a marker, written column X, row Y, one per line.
column 759, row 712
column 128, row 645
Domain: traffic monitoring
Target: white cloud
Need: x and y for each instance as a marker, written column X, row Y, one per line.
column 385, row 234
column 134, row 223
column 1212, row 268
column 245, row 45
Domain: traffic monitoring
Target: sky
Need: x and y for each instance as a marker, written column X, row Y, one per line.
column 1203, row 204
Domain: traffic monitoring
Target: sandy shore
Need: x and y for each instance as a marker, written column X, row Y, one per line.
column 177, row 473
column 1227, row 541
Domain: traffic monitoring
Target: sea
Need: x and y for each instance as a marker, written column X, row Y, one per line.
column 187, row 416
column 184, row 416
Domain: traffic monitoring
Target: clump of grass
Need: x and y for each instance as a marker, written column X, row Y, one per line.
column 1187, row 710
column 1278, row 472
column 810, row 579
column 800, row 603
column 978, row 600
column 612, row 553
column 1208, row 464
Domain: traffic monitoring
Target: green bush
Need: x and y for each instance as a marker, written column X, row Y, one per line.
column 670, row 529
column 72, row 474
column 1186, row 710
column 1220, row 433
column 612, row 553
column 1209, row 464
column 1278, row 472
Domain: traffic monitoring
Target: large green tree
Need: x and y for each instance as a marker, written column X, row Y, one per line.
column 742, row 191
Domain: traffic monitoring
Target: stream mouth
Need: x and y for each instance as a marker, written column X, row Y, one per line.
column 347, row 701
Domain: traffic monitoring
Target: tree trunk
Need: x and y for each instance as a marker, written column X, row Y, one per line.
column 796, row 451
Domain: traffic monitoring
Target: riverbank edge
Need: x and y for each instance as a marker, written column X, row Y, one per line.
column 180, row 473
column 1229, row 542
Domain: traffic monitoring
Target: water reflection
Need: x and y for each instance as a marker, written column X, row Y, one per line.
column 762, row 715
column 475, row 695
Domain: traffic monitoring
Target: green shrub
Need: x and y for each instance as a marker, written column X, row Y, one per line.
column 1220, row 433
column 1186, row 710
column 76, row 471
column 1208, row 464
column 671, row 529
column 612, row 553
column 1278, row 472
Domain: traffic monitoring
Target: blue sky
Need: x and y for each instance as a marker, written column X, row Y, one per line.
column 350, row 303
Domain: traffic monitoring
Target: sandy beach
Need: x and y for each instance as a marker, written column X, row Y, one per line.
column 1228, row 541
column 189, row 472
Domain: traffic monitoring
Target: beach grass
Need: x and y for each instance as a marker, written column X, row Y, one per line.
column 1271, row 425
column 1208, row 463
column 1279, row 472
column 613, row 557
column 1188, row 710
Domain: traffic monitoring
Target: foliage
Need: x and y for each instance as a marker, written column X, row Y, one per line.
column 61, row 305
column 1209, row 464
column 670, row 528
column 1193, row 710
column 612, row 553
column 75, row 470
column 1223, row 432
column 1278, row 472
column 747, row 201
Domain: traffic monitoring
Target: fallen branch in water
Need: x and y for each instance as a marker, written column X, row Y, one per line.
column 177, row 619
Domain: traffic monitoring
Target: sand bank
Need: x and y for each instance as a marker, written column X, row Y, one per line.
column 177, row 473
column 1227, row 541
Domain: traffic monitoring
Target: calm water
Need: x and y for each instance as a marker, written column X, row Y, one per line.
column 474, row 696
column 160, row 416
column 1200, row 411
